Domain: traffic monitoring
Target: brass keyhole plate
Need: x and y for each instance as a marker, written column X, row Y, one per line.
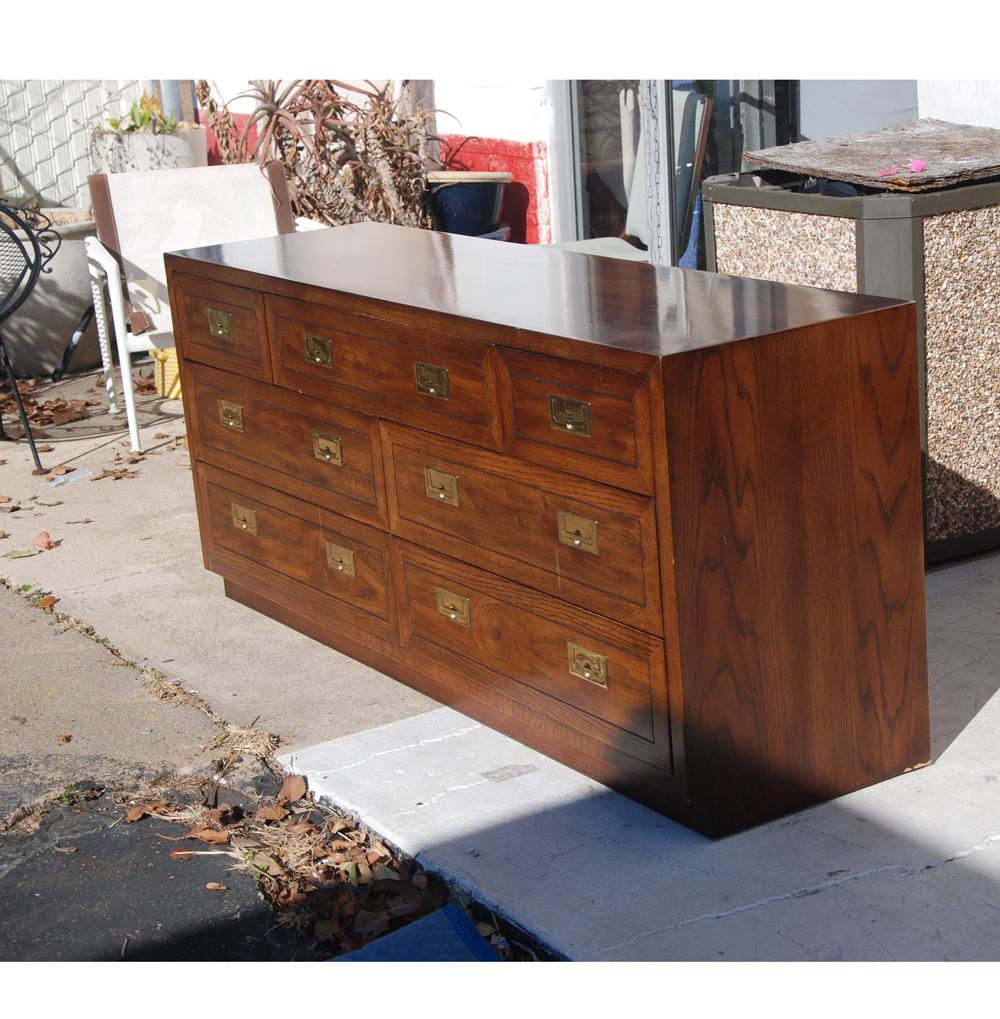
column 432, row 380
column 454, row 607
column 244, row 518
column 339, row 559
column 220, row 323
column 578, row 532
column 328, row 448
column 441, row 486
column 587, row 664
column 318, row 350
column 231, row 415
column 571, row 416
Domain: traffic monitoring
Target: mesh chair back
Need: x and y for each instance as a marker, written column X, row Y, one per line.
column 166, row 210
column 20, row 261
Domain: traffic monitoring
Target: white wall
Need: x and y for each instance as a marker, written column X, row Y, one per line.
column 832, row 108
column 511, row 108
column 962, row 102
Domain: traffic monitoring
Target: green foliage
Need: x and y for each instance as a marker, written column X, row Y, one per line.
column 145, row 115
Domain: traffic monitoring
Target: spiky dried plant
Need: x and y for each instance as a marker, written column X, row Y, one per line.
column 350, row 153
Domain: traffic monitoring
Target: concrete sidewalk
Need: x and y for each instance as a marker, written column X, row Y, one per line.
column 905, row 870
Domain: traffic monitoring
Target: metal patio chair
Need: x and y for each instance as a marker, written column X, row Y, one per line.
column 27, row 245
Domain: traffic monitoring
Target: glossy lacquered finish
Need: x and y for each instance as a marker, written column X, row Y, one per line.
column 663, row 526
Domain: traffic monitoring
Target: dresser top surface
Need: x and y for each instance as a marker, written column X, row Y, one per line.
column 616, row 303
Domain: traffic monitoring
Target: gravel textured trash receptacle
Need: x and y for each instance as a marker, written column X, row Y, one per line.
column 937, row 248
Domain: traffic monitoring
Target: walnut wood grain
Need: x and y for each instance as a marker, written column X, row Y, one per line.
column 246, row 352
column 376, row 371
column 576, row 301
column 291, row 538
column 754, row 462
column 276, row 444
column 796, row 517
column 506, row 519
column 618, row 451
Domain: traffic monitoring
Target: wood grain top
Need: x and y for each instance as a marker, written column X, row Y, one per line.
column 627, row 305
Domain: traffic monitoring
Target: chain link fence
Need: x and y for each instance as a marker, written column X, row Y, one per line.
column 45, row 131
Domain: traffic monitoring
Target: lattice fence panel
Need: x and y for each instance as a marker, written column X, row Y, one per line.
column 45, row 129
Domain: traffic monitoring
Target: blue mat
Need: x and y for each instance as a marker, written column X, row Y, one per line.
column 445, row 936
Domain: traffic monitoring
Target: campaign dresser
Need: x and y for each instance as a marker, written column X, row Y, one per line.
column 664, row 526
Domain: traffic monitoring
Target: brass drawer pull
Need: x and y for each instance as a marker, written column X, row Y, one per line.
column 587, row 664
column 328, row 448
column 231, row 415
column 454, row 607
column 578, row 532
column 569, row 415
column 244, row 519
column 340, row 559
column 441, row 486
column 318, row 349
column 432, row 380
column 220, row 323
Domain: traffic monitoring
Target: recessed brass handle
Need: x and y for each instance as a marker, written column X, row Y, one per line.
column 328, row 448
column 571, row 416
column 432, row 380
column 244, row 519
column 454, row 607
column 318, row 349
column 220, row 323
column 340, row 559
column 578, row 532
column 441, row 486
column 231, row 415
column 587, row 664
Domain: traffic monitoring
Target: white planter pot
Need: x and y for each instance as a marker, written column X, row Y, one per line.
column 119, row 153
column 37, row 333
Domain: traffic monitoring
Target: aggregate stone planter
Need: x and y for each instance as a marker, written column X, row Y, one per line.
column 142, row 150
column 37, row 333
column 938, row 249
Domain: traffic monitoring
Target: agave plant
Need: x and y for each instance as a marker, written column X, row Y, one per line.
column 350, row 153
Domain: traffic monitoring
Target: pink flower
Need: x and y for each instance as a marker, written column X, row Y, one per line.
column 884, row 172
column 917, row 166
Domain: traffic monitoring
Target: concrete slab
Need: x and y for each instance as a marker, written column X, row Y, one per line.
column 135, row 574
column 907, row 869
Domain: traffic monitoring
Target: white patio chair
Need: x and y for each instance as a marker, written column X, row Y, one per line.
column 142, row 215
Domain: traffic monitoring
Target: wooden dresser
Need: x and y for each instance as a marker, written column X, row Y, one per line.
column 664, row 526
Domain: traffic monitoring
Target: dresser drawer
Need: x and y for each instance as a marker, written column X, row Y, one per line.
column 436, row 382
column 590, row 421
column 326, row 553
column 296, row 444
column 586, row 543
column 221, row 325
column 604, row 680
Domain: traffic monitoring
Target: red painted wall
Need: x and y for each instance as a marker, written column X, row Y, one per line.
column 526, row 201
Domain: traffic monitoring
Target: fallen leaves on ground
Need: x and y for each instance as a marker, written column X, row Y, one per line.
column 46, row 447
column 58, row 472
column 3, row 534
column 21, row 553
column 214, row 886
column 85, row 520
column 326, row 877
column 115, row 475
column 5, row 498
column 46, row 603
column 128, row 458
column 65, row 737
column 44, row 541
column 145, row 810
column 55, row 411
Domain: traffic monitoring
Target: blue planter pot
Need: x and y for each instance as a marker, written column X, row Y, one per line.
column 467, row 202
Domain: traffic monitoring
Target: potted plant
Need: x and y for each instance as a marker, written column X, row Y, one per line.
column 145, row 139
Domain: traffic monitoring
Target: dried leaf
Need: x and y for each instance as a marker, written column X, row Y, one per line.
column 45, row 542
column 65, row 849
column 161, row 435
column 214, row 886
column 46, row 603
column 292, row 789
column 13, row 508
column 3, row 534
column 61, row 470
column 65, row 737
column 268, row 864
column 209, row 835
column 115, row 475
column 21, row 553
column 138, row 813
column 45, row 448
column 384, row 873
column 181, row 854
column 271, row 813
column 302, row 828
column 85, row 520
column 5, row 498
